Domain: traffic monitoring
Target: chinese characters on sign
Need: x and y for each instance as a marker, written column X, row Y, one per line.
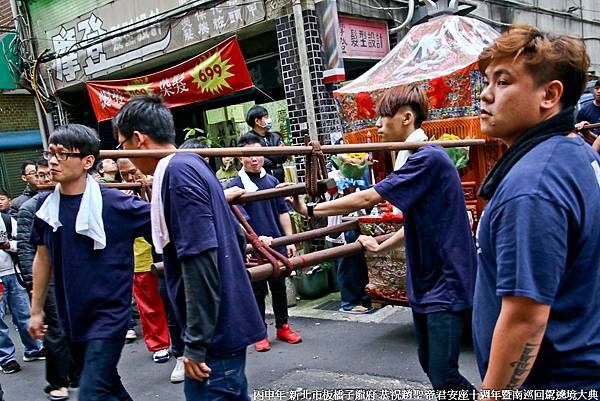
column 363, row 39
column 84, row 55
column 216, row 72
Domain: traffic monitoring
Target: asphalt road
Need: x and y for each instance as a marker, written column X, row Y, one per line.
column 335, row 354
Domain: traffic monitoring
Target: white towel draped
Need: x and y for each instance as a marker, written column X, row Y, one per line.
column 89, row 217
column 160, row 232
column 250, row 186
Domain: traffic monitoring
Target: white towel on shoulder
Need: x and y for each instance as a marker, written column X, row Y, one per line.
column 250, row 186
column 89, row 217
column 160, row 232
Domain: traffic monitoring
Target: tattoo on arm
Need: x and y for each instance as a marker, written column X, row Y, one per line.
column 522, row 366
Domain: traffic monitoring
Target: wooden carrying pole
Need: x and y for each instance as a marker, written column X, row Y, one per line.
column 291, row 190
column 289, row 150
column 264, row 271
column 308, row 235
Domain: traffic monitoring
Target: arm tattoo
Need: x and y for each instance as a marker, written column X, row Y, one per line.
column 522, row 366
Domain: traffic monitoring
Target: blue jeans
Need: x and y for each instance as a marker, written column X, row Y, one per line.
column 439, row 336
column 353, row 276
column 98, row 361
column 18, row 302
column 226, row 382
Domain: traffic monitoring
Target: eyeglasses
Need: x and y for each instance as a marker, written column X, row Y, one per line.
column 120, row 145
column 31, row 173
column 62, row 155
column 43, row 175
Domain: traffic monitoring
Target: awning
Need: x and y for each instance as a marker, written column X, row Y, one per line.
column 20, row 139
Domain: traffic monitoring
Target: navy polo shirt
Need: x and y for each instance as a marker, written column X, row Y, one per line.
column 440, row 251
column 264, row 214
column 199, row 219
column 93, row 287
column 539, row 238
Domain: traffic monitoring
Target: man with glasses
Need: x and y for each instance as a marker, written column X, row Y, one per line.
column 60, row 368
column 29, row 175
column 84, row 234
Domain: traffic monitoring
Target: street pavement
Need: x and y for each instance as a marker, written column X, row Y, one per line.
column 339, row 351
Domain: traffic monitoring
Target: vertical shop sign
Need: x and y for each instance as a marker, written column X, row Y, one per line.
column 363, row 39
column 330, row 35
column 216, row 72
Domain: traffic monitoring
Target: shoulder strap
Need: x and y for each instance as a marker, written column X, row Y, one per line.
column 8, row 224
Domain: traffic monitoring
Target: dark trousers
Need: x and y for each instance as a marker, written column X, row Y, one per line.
column 177, row 344
column 278, row 295
column 98, row 361
column 353, row 276
column 439, row 336
column 60, row 367
column 226, row 382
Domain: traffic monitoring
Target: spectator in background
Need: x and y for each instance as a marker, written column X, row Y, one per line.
column 109, row 171
column 227, row 171
column 258, row 119
column 29, row 175
column 61, row 371
column 590, row 113
column 5, row 201
column 17, row 300
column 146, row 287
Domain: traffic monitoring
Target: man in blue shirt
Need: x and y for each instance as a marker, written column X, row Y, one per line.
column 590, row 113
column 269, row 218
column 536, row 315
column 440, row 249
column 199, row 237
column 84, row 235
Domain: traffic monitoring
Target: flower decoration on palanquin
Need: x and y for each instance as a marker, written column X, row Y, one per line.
column 365, row 106
column 438, row 92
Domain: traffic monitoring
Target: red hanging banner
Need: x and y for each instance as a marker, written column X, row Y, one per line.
column 216, row 72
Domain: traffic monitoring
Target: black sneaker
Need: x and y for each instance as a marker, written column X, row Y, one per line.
column 11, row 366
column 35, row 356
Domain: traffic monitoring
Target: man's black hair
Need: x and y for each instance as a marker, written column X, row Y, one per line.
column 148, row 115
column 41, row 162
column 597, row 84
column 25, row 164
column 246, row 140
column 254, row 113
column 4, row 192
column 77, row 136
column 193, row 143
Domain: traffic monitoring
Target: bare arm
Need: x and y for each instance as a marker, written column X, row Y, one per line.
column 347, row 204
column 286, row 226
column 41, row 281
column 516, row 341
column 286, row 223
column 371, row 245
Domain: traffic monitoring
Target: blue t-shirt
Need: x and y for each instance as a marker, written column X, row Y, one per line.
column 199, row 219
column 590, row 113
column 440, row 251
column 93, row 287
column 539, row 238
column 264, row 214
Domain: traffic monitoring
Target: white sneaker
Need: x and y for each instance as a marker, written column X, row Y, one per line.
column 161, row 356
column 178, row 373
column 130, row 336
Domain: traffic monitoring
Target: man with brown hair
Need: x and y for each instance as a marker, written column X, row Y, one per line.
column 439, row 246
column 536, row 316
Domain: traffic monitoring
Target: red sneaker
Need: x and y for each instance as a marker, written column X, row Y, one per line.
column 285, row 333
column 263, row 345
